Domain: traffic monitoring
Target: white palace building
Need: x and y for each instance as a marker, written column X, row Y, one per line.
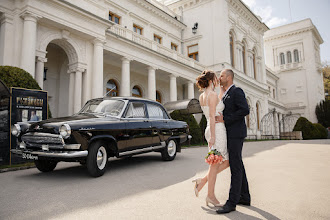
column 80, row 49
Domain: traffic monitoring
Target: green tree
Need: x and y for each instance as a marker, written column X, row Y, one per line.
column 17, row 77
column 322, row 112
column 326, row 79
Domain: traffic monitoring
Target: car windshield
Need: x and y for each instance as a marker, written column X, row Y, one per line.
column 106, row 107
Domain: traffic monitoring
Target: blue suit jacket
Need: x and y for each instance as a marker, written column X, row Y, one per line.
column 236, row 108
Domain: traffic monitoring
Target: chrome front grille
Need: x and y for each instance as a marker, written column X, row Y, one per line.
column 37, row 139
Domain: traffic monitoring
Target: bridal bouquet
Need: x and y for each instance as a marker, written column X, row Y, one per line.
column 213, row 157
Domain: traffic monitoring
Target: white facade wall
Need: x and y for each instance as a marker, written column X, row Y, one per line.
column 300, row 86
column 82, row 50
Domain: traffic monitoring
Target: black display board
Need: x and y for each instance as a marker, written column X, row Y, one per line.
column 27, row 106
column 4, row 124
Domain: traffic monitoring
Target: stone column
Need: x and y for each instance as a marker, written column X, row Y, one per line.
column 78, row 89
column 125, row 85
column 191, row 93
column 6, row 40
column 151, row 83
column 40, row 70
column 71, row 92
column 97, row 75
column 29, row 39
column 173, row 89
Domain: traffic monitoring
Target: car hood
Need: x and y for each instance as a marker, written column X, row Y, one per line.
column 76, row 122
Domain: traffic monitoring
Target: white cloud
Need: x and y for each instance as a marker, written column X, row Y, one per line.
column 250, row 3
column 275, row 21
column 265, row 13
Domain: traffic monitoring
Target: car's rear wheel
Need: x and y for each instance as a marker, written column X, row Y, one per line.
column 97, row 159
column 45, row 165
column 169, row 152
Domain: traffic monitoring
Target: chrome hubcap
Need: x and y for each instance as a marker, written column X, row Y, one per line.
column 101, row 157
column 171, row 148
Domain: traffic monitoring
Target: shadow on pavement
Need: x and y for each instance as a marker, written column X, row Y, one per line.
column 69, row 187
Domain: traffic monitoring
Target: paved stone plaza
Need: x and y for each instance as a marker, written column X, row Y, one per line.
column 288, row 180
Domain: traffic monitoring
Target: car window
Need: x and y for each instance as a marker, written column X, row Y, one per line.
column 156, row 112
column 136, row 110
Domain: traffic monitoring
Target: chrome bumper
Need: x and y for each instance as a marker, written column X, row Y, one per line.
column 53, row 154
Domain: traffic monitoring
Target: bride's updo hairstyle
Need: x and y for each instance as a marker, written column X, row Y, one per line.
column 204, row 78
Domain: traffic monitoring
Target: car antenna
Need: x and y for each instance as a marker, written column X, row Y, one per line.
column 109, row 91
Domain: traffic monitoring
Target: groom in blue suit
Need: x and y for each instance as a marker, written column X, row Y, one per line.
column 236, row 108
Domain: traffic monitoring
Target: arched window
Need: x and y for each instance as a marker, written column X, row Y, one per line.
column 136, row 91
column 258, row 116
column 231, row 46
column 158, row 97
column 113, row 87
column 282, row 58
column 296, row 56
column 289, row 57
column 243, row 58
column 254, row 65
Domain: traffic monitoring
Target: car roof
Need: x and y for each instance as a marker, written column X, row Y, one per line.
column 130, row 98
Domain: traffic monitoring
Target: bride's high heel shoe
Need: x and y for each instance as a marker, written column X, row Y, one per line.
column 197, row 181
column 208, row 200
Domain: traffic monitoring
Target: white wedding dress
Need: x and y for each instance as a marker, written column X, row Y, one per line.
column 220, row 130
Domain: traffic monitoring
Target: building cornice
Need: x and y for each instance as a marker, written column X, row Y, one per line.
column 161, row 13
column 98, row 18
column 249, row 16
column 271, row 74
column 276, row 103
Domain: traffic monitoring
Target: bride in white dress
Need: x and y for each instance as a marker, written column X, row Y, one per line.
column 215, row 133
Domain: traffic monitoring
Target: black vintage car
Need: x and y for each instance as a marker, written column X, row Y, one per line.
column 104, row 127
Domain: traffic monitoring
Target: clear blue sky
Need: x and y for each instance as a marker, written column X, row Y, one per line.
column 277, row 12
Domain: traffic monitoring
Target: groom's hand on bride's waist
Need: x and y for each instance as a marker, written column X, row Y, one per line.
column 219, row 119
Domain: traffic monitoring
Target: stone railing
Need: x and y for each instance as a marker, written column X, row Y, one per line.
column 288, row 66
column 139, row 39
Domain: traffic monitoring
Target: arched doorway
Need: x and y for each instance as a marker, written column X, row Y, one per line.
column 56, row 80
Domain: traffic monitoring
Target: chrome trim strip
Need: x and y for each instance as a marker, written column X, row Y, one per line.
column 72, row 146
column 62, row 154
column 141, row 150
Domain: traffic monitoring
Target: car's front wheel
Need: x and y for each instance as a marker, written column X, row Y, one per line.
column 169, row 152
column 97, row 159
column 45, row 165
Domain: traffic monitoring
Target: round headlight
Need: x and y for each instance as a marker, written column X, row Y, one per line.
column 16, row 130
column 65, row 131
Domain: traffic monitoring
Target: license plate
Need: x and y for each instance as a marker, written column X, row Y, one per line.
column 29, row 156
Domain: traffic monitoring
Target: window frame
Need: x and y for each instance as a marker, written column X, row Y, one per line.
column 158, row 37
column 294, row 56
column 244, row 60
column 165, row 115
column 289, row 56
column 113, row 16
column 115, row 90
column 232, row 50
column 134, row 102
column 135, row 26
column 194, row 53
column 139, row 88
column 175, row 46
column 160, row 96
column 282, row 55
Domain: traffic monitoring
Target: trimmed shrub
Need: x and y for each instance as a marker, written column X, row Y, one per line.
column 310, row 130
column 194, row 128
column 17, row 77
column 322, row 132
